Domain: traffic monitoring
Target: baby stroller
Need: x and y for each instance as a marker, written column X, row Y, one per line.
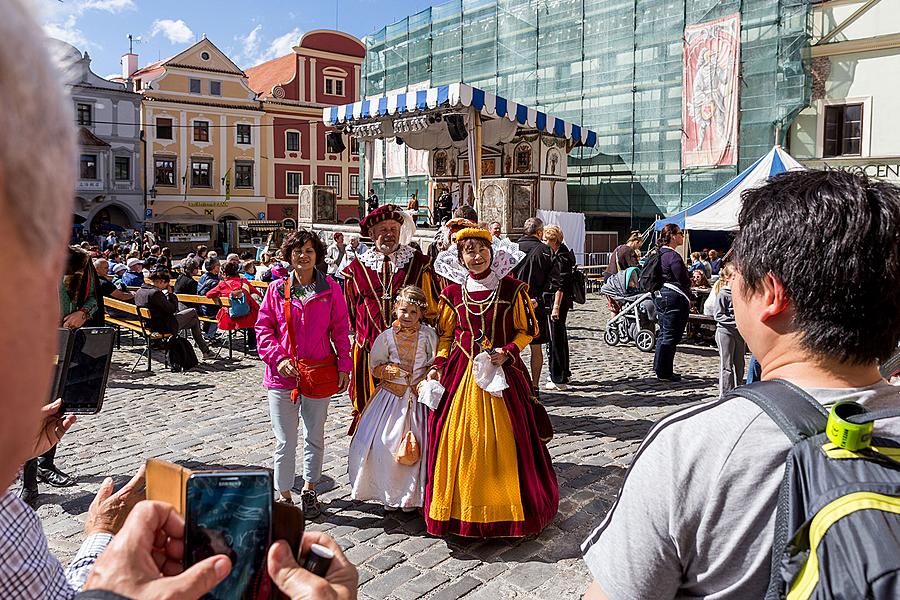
column 634, row 313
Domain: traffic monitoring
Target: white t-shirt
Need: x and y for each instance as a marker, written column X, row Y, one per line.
column 695, row 516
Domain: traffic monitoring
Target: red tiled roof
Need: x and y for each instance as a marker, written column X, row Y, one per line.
column 151, row 67
column 263, row 77
column 87, row 138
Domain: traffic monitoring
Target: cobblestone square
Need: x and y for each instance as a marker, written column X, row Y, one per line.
column 217, row 416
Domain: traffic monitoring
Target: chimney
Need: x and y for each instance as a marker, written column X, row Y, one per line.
column 129, row 65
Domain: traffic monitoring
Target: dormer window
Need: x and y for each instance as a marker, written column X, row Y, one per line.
column 334, row 81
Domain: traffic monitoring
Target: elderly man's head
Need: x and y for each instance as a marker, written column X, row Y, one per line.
column 354, row 241
column 37, row 174
column 535, row 227
column 101, row 265
column 385, row 236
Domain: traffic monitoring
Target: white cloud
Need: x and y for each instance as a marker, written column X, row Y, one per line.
column 177, row 32
column 113, row 6
column 61, row 18
column 252, row 52
column 68, row 31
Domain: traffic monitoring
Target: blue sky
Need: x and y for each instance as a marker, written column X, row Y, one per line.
column 249, row 32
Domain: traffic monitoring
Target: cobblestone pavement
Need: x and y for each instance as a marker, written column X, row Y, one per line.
column 217, row 416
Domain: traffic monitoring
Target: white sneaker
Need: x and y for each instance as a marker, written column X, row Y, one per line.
column 556, row 386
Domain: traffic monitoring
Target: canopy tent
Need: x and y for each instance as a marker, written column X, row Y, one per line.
column 453, row 96
column 719, row 211
column 456, row 115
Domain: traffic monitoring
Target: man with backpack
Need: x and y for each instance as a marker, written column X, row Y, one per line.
column 164, row 314
column 696, row 515
column 536, row 270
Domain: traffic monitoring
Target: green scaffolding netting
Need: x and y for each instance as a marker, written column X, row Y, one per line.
column 614, row 66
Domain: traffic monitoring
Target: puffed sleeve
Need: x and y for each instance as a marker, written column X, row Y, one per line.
column 445, row 326
column 380, row 355
column 524, row 322
column 431, row 295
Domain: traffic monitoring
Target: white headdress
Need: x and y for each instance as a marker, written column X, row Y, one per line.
column 506, row 256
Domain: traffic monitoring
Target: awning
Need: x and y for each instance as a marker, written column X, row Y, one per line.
column 459, row 95
column 261, row 225
column 183, row 219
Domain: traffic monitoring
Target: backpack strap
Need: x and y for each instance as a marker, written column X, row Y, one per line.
column 797, row 413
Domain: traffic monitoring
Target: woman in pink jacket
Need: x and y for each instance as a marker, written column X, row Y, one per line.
column 304, row 342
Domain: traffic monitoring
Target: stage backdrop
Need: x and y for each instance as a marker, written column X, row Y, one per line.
column 709, row 101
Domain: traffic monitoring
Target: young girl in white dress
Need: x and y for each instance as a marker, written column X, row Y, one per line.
column 379, row 451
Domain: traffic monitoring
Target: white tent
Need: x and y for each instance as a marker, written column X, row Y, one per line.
column 719, row 211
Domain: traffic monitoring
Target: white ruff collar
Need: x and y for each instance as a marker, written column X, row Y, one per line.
column 488, row 284
column 374, row 259
column 506, row 256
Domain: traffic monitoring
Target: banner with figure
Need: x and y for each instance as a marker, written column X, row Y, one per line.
column 709, row 97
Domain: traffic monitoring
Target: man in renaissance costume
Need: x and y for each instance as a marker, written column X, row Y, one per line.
column 372, row 281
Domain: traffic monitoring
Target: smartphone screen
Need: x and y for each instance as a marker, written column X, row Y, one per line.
column 230, row 513
column 83, row 383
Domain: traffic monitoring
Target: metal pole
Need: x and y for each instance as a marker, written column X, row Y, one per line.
column 143, row 138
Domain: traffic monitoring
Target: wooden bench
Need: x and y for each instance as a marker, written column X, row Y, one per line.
column 593, row 276
column 698, row 328
column 135, row 320
column 190, row 300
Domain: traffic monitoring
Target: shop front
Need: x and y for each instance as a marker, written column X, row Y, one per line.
column 182, row 233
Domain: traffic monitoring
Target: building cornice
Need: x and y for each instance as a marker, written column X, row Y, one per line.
column 309, row 52
column 871, row 44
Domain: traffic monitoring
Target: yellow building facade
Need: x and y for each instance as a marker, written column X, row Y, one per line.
column 203, row 132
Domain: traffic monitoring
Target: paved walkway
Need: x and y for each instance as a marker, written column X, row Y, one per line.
column 217, row 417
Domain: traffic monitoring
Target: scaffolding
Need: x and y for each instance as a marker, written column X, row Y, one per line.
column 615, row 66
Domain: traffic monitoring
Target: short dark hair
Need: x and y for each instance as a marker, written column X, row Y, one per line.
column 231, row 268
column 298, row 239
column 844, row 290
column 160, row 274
column 464, row 211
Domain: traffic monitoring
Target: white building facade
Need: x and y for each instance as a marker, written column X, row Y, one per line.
column 855, row 61
column 109, row 191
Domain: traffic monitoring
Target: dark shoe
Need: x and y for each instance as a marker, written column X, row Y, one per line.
column 309, row 502
column 29, row 497
column 53, row 476
column 674, row 378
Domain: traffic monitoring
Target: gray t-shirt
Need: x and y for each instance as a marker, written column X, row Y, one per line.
column 695, row 516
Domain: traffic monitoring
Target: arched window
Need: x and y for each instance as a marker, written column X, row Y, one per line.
column 334, row 81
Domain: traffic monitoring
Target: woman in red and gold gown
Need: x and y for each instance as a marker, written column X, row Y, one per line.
column 489, row 471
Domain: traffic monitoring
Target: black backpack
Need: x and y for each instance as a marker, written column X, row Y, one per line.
column 181, row 354
column 651, row 279
column 837, row 523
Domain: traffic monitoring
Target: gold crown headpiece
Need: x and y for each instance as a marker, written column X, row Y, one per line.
column 476, row 233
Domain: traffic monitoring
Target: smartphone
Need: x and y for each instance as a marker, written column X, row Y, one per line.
column 83, row 382
column 61, row 361
column 230, row 513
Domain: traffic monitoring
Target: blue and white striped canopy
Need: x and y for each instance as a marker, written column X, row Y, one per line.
column 458, row 95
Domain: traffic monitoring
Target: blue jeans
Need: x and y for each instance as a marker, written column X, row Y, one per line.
column 285, row 417
column 672, row 310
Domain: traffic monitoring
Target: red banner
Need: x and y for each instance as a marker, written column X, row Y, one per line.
column 709, row 98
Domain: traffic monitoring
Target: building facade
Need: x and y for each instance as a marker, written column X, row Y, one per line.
column 614, row 66
column 203, row 159
column 109, row 193
column 323, row 69
column 850, row 123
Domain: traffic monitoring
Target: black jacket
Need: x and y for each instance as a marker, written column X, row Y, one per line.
column 162, row 308
column 536, row 268
column 561, row 276
column 185, row 284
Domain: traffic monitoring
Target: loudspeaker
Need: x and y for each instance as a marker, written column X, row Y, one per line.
column 334, row 142
column 456, row 126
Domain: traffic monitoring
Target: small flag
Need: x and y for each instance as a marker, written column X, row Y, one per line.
column 227, row 181
column 184, row 180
